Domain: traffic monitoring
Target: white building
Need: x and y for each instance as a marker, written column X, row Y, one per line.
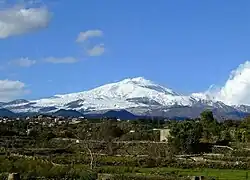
column 164, row 134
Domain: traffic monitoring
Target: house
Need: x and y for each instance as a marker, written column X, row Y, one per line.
column 56, row 120
column 164, row 134
column 74, row 121
column 40, row 117
column 60, row 122
column 51, row 125
column 28, row 131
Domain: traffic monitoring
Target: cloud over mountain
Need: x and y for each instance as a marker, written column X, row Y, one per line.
column 11, row 89
column 237, row 88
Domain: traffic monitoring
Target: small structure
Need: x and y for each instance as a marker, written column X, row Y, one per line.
column 51, row 125
column 28, row 131
column 56, row 120
column 75, row 121
column 164, row 134
column 14, row 176
column 61, row 122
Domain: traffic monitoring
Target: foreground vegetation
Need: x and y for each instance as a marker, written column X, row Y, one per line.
column 51, row 148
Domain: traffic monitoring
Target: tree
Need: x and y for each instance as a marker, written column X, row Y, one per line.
column 185, row 136
column 109, row 131
column 207, row 117
column 210, row 126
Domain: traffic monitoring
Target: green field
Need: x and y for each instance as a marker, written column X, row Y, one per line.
column 216, row 173
column 89, row 148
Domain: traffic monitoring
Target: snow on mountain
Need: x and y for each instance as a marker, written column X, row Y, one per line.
column 138, row 94
column 118, row 95
column 200, row 96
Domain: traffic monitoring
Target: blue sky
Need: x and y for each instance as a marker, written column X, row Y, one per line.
column 184, row 45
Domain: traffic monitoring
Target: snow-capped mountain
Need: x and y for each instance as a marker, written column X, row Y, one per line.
column 127, row 93
column 135, row 94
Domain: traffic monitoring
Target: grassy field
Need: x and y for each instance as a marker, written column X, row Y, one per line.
column 216, row 173
column 224, row 174
column 54, row 153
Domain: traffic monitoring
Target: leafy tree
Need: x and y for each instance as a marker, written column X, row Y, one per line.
column 244, row 130
column 210, row 126
column 46, row 135
column 207, row 117
column 109, row 130
column 185, row 136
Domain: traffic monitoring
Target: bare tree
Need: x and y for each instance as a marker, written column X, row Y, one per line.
column 89, row 150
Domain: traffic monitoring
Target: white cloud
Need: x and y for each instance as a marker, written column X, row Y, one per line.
column 90, row 48
column 63, row 60
column 19, row 20
column 10, row 90
column 97, row 50
column 23, row 62
column 237, row 88
column 83, row 36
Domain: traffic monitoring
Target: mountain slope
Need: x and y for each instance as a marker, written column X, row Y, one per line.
column 7, row 113
column 132, row 92
column 138, row 95
column 67, row 113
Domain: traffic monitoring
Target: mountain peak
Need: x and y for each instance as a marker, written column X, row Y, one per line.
column 141, row 85
column 127, row 93
column 137, row 80
column 137, row 94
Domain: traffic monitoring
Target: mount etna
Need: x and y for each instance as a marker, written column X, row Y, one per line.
column 129, row 98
